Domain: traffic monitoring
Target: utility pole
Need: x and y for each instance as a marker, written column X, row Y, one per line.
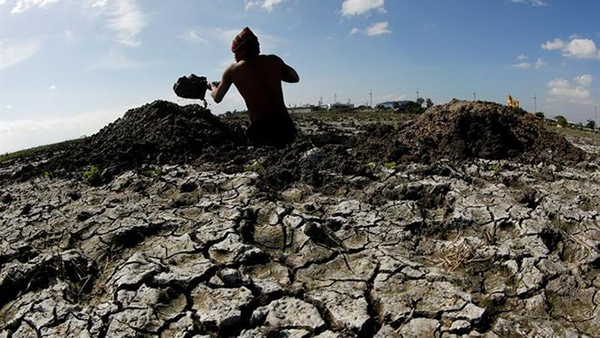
column 596, row 116
column 334, row 97
column 535, row 103
column 417, row 93
column 474, row 96
column 371, row 99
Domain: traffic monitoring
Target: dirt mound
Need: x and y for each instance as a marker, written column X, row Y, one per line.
column 465, row 129
column 156, row 133
column 161, row 132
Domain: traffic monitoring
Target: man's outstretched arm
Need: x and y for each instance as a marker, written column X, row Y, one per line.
column 288, row 74
column 218, row 92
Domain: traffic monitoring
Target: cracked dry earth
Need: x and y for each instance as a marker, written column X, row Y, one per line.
column 482, row 248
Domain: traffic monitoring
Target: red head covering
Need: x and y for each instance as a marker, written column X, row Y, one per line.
column 241, row 41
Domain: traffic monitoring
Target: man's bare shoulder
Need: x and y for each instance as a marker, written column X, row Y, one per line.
column 273, row 58
column 230, row 70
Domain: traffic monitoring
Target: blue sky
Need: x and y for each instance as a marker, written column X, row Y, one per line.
column 68, row 67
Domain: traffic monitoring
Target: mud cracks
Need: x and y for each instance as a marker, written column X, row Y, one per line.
column 410, row 253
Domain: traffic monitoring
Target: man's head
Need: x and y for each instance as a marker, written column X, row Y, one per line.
column 245, row 45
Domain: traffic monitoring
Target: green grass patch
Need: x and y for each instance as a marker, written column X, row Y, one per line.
column 153, row 172
column 256, row 167
column 92, row 175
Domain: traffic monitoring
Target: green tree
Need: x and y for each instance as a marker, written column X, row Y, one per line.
column 420, row 101
column 561, row 121
column 590, row 124
column 540, row 115
column 428, row 103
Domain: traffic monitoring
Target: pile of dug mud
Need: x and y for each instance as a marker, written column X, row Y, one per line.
column 457, row 131
column 161, row 132
column 463, row 130
column 157, row 133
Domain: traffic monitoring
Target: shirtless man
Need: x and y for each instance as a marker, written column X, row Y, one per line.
column 258, row 78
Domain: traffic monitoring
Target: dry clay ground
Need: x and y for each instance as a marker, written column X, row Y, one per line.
column 477, row 248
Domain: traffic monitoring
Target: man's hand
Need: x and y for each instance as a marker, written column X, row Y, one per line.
column 219, row 89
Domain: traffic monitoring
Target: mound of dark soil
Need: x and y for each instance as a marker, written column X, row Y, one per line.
column 463, row 130
column 161, row 132
column 156, row 133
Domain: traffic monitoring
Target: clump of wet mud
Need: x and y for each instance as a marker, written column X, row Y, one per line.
column 463, row 130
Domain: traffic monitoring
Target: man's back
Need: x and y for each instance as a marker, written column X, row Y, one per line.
column 259, row 82
column 258, row 79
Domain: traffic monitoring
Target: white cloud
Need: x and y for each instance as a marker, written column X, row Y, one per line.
column 522, row 65
column 123, row 17
column 558, row 83
column 582, row 49
column 378, row 28
column 375, row 29
column 192, row 36
column 584, row 80
column 13, row 52
column 250, row 4
column 539, row 63
column 555, row 44
column 2, row 2
column 9, row 106
column 573, row 95
column 100, row 3
column 360, row 7
column 267, row 5
column 577, row 48
column 561, row 90
column 535, row 3
column 127, row 20
column 52, row 87
column 23, row 5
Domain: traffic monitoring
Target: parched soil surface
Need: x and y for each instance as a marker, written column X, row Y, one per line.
column 367, row 226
